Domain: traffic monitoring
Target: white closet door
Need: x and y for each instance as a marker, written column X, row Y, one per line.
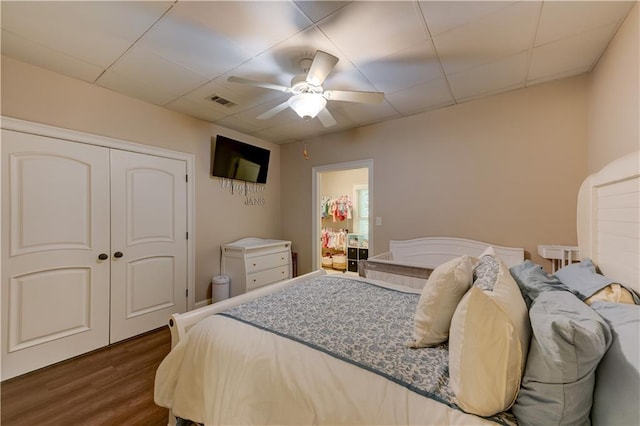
column 55, row 225
column 148, row 242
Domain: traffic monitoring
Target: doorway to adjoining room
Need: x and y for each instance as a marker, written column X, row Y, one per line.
column 342, row 197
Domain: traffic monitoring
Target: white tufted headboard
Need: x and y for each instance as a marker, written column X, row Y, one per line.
column 609, row 220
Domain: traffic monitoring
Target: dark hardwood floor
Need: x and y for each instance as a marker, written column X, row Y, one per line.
column 110, row 386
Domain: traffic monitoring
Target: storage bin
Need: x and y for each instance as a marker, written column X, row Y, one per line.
column 220, row 288
column 340, row 262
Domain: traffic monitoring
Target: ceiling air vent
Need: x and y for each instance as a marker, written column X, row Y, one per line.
column 222, row 101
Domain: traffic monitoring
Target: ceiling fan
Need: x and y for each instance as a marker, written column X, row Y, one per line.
column 309, row 97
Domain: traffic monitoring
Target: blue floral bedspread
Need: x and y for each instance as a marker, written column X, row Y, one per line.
column 360, row 323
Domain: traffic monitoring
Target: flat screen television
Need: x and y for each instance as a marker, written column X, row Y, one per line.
column 233, row 159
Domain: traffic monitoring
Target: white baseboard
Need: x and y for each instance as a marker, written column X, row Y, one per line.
column 202, row 303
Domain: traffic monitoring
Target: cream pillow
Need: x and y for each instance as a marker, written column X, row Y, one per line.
column 440, row 296
column 488, row 343
column 614, row 293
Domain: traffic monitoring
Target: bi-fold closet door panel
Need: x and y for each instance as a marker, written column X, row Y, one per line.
column 148, row 230
column 55, row 226
column 67, row 209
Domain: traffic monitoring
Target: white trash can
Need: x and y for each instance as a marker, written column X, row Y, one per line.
column 220, row 288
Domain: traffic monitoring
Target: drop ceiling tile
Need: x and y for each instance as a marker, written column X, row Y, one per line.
column 242, row 96
column 489, row 78
column 303, row 129
column 281, row 64
column 569, row 53
column 484, row 40
column 365, row 30
column 304, row 45
column 195, row 110
column 44, row 57
column 429, row 95
column 566, row 74
column 273, row 21
column 144, row 65
column 561, row 19
column 366, row 113
column 213, row 37
column 318, row 10
column 407, row 68
column 134, row 88
column 196, row 48
column 243, row 126
column 78, row 28
column 443, row 16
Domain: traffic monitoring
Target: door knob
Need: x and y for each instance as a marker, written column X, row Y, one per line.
column 103, row 256
column 118, row 254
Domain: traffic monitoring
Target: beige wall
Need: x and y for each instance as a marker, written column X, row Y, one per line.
column 503, row 169
column 34, row 94
column 614, row 106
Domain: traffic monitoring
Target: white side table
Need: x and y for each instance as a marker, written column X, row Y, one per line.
column 559, row 255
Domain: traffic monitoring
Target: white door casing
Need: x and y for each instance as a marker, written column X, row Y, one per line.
column 149, row 229
column 55, row 224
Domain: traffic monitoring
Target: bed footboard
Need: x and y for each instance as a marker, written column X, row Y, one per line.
column 179, row 324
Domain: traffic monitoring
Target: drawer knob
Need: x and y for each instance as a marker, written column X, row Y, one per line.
column 254, row 264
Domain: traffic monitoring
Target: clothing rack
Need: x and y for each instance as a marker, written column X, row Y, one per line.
column 334, row 239
column 338, row 208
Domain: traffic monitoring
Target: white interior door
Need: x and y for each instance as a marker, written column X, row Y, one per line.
column 148, row 242
column 55, row 225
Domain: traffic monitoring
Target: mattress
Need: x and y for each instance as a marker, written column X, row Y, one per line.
column 336, row 355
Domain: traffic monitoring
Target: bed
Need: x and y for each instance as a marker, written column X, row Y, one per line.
column 240, row 361
column 410, row 262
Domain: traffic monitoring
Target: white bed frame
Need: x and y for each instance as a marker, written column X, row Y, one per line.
column 410, row 262
column 609, row 220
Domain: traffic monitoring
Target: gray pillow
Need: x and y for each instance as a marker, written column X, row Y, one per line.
column 617, row 391
column 569, row 339
column 583, row 279
column 533, row 280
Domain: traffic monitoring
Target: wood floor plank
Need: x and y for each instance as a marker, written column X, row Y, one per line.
column 110, row 386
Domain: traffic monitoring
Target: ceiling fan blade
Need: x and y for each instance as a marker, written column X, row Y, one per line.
column 273, row 111
column 234, row 79
column 351, row 96
column 320, row 68
column 326, row 118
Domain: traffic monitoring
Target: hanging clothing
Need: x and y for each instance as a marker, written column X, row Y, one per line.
column 335, row 239
column 338, row 208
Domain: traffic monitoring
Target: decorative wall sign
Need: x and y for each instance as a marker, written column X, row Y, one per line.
column 250, row 190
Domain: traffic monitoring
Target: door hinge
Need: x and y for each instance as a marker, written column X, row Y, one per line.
column 186, row 292
column 187, row 235
column 186, row 177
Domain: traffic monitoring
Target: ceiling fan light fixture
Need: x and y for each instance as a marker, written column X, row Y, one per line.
column 307, row 105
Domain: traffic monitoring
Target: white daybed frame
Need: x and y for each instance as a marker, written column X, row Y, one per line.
column 410, row 262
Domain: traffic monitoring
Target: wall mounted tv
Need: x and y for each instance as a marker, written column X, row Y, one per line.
column 232, row 159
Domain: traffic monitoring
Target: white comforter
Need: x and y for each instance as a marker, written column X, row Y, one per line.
column 227, row 372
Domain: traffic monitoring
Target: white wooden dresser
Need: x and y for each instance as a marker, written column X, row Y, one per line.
column 255, row 262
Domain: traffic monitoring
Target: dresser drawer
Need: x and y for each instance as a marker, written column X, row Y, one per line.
column 258, row 279
column 267, row 261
